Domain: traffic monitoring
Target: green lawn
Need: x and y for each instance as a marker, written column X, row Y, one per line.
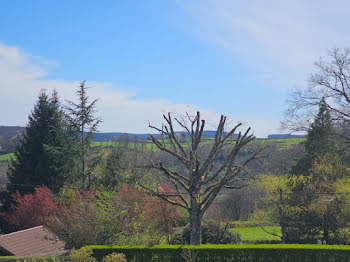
column 5, row 157
column 257, row 234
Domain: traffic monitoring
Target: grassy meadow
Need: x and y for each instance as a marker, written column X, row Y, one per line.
column 6, row 157
column 258, row 234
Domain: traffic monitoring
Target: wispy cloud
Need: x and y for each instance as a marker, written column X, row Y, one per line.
column 280, row 37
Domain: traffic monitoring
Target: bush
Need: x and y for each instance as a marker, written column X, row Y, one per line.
column 342, row 236
column 114, row 257
column 82, row 255
column 232, row 253
column 211, row 234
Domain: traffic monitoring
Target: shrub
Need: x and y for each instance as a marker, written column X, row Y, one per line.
column 82, row 255
column 342, row 236
column 32, row 209
column 211, row 234
column 114, row 257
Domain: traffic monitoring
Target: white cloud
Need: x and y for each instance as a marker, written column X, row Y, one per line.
column 281, row 37
column 22, row 78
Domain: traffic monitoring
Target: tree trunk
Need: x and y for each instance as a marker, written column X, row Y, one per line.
column 282, row 217
column 325, row 228
column 195, row 224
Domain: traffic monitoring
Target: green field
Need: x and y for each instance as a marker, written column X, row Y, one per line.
column 6, row 157
column 282, row 143
column 145, row 145
column 257, row 234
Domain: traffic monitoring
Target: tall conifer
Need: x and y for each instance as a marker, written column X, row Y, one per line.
column 84, row 123
column 321, row 140
column 43, row 155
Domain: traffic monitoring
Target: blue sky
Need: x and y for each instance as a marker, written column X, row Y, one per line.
column 144, row 58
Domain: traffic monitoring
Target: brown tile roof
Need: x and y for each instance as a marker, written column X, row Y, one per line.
column 31, row 242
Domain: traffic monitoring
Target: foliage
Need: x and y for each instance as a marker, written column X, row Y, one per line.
column 146, row 219
column 212, row 233
column 321, row 139
column 43, row 155
column 115, row 167
column 213, row 253
column 84, row 123
column 30, row 210
column 76, row 222
column 82, row 255
column 314, row 209
column 114, row 257
column 6, row 157
column 101, row 216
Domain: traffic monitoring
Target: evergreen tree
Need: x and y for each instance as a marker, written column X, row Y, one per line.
column 321, row 139
column 84, row 124
column 43, row 155
column 313, row 207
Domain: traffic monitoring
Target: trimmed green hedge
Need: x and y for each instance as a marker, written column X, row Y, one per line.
column 8, row 259
column 33, row 259
column 232, row 253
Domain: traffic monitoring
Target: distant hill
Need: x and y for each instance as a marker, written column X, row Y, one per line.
column 8, row 137
column 279, row 136
column 9, row 133
column 104, row 137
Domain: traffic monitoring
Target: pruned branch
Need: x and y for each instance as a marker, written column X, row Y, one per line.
column 163, row 196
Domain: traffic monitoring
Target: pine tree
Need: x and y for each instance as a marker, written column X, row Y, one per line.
column 84, row 124
column 322, row 139
column 43, row 155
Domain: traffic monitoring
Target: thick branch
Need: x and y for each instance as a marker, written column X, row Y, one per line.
column 162, row 196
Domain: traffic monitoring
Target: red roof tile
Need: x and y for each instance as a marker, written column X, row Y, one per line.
column 31, row 242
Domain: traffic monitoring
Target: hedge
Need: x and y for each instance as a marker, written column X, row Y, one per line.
column 33, row 259
column 8, row 259
column 232, row 253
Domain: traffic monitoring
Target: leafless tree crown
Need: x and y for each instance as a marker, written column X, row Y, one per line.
column 331, row 81
column 201, row 180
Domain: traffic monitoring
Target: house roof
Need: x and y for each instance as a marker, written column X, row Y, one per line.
column 32, row 242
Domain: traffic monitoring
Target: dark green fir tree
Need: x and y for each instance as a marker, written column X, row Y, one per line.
column 322, row 139
column 44, row 154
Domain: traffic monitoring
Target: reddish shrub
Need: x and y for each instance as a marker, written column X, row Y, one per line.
column 32, row 209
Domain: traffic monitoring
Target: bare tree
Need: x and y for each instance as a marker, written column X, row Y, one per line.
column 331, row 81
column 202, row 178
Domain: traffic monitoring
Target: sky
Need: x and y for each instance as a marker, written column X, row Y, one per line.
column 143, row 58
